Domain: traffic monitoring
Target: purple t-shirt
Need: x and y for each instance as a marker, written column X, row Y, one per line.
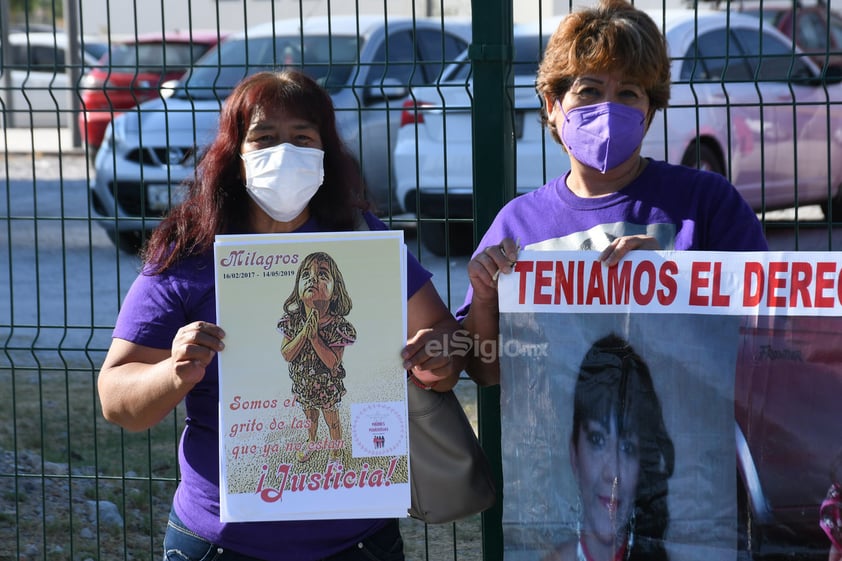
column 683, row 208
column 155, row 307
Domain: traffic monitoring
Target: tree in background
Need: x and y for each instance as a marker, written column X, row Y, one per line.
column 36, row 13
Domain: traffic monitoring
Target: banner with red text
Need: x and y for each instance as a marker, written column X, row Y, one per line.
column 681, row 405
column 312, row 418
column 714, row 283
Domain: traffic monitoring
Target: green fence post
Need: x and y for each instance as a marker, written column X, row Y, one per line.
column 494, row 185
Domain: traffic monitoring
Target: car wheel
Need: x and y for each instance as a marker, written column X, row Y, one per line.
column 437, row 235
column 702, row 156
column 128, row 242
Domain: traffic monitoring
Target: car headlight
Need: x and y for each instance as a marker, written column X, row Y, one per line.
column 121, row 128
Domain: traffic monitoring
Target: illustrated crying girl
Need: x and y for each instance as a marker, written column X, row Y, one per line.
column 315, row 334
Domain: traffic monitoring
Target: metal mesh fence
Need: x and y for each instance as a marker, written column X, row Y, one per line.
column 82, row 186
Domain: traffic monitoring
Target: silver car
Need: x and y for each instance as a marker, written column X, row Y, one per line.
column 147, row 153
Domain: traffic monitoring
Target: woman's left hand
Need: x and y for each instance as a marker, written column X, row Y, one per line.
column 436, row 356
column 618, row 249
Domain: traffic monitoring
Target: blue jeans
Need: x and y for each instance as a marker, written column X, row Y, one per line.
column 181, row 544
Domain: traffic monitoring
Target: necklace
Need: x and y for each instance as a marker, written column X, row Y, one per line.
column 582, row 553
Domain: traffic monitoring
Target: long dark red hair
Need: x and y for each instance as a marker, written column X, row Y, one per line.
column 217, row 201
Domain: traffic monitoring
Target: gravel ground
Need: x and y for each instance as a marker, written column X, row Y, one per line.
column 49, row 512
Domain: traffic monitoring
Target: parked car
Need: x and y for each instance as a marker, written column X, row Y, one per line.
column 433, row 157
column 816, row 28
column 132, row 72
column 39, row 93
column 366, row 63
column 747, row 104
column 744, row 104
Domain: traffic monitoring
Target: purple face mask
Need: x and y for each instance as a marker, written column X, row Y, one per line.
column 603, row 135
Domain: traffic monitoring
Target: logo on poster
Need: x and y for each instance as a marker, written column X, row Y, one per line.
column 378, row 429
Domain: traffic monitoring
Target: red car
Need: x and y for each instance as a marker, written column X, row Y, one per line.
column 132, row 71
column 789, row 430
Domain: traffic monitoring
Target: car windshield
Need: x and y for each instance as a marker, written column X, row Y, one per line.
column 155, row 57
column 329, row 60
column 95, row 49
column 770, row 16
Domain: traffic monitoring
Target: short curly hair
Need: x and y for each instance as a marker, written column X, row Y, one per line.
column 611, row 37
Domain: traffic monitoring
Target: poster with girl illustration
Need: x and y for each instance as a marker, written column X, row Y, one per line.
column 312, row 412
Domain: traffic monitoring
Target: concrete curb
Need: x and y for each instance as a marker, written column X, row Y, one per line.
column 47, row 141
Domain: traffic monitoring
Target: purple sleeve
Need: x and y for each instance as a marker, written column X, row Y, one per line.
column 157, row 306
column 150, row 315
column 733, row 224
column 498, row 231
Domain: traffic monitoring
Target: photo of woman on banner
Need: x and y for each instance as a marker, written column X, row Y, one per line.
column 315, row 336
column 621, row 457
column 615, row 443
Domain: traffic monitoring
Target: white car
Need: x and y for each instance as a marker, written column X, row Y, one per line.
column 39, row 93
column 743, row 104
column 433, row 158
column 148, row 152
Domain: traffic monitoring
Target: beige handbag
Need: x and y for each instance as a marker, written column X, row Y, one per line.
column 450, row 476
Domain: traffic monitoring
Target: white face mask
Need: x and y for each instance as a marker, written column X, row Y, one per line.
column 282, row 179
